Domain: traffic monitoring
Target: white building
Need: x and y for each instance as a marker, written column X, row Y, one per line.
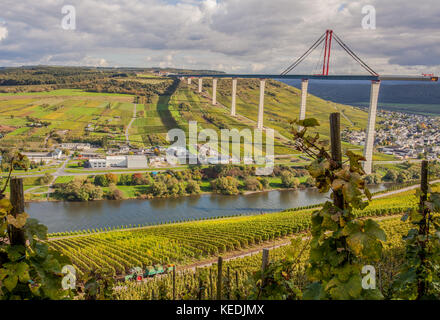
column 130, row 162
column 137, row 162
column 97, row 163
column 116, row 161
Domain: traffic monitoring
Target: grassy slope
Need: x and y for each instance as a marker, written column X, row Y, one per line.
column 74, row 109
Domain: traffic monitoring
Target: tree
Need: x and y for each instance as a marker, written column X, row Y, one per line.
column 93, row 192
column 138, row 179
column 390, row 176
column 101, row 180
column 288, row 179
column 226, row 185
column 373, row 178
column 47, row 178
column 159, row 188
column 193, row 187
column 111, row 178
column 124, row 180
column 264, row 182
column 252, row 184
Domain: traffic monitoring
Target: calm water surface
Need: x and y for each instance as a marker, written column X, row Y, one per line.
column 64, row 216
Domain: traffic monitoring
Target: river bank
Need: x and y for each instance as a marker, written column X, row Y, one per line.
column 68, row 216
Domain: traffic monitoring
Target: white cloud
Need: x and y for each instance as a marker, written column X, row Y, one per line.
column 244, row 35
column 3, row 32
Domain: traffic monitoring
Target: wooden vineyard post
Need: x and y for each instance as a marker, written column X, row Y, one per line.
column 174, row 282
column 219, row 278
column 264, row 263
column 200, row 289
column 228, row 292
column 16, row 236
column 211, row 285
column 423, row 226
column 336, row 150
column 237, row 289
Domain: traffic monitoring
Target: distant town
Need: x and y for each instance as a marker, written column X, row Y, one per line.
column 403, row 135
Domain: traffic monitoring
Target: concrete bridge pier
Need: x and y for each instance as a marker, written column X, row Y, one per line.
column 369, row 140
column 302, row 110
column 200, row 84
column 261, row 104
column 214, row 91
column 189, row 80
column 234, row 94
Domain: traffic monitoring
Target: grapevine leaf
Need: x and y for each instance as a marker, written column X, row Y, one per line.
column 309, row 122
column 18, row 221
column 314, row 291
column 10, row 282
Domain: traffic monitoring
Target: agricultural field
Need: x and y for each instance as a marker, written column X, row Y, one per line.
column 30, row 119
column 202, row 282
column 182, row 243
column 33, row 120
column 152, row 123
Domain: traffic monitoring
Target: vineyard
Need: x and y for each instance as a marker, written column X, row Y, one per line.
column 237, row 275
column 185, row 243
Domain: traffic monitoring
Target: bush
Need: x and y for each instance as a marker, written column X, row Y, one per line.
column 159, row 188
column 124, row 180
column 193, row 187
column 289, row 180
column 226, row 185
column 372, row 179
column 101, row 180
column 138, row 179
column 46, row 179
column 252, row 184
column 265, row 183
column 111, row 178
column 77, row 191
column 390, row 176
column 115, row 194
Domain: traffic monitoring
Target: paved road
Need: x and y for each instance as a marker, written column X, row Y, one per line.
column 402, row 190
column 127, row 136
column 55, row 175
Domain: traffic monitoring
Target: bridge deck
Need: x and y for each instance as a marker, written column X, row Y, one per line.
column 309, row 76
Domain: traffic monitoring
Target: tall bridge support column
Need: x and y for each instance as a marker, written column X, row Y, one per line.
column 261, row 105
column 369, row 140
column 200, row 84
column 234, row 94
column 189, row 80
column 302, row 110
column 214, row 91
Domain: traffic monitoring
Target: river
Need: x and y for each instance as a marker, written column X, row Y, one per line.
column 67, row 216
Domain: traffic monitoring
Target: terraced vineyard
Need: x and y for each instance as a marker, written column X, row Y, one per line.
column 236, row 281
column 183, row 243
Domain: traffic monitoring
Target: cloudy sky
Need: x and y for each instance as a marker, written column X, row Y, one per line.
column 246, row 36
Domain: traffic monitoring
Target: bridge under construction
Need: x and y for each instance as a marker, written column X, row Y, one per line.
column 327, row 38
